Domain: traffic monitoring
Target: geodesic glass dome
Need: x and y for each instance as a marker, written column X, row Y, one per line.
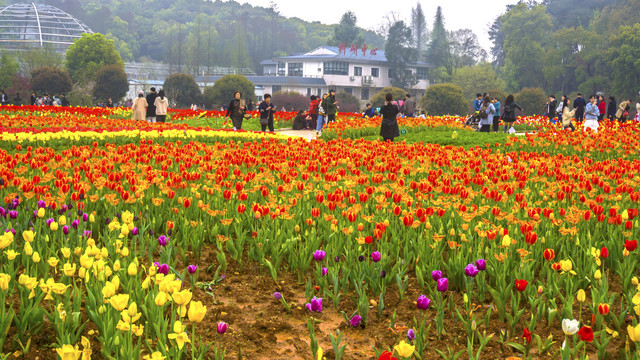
column 29, row 25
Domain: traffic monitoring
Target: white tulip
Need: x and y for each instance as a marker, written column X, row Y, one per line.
column 570, row 327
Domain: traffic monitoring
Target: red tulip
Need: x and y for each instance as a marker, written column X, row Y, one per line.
column 630, row 245
column 526, row 334
column 521, row 285
column 549, row 254
column 604, row 252
column 387, row 356
column 586, row 333
column 604, row 309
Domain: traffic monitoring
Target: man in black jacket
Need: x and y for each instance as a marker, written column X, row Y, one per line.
column 579, row 104
column 64, row 101
column 551, row 108
column 151, row 108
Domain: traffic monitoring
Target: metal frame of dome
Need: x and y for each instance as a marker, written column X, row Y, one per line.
column 28, row 25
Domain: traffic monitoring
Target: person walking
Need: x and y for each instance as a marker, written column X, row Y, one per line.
column 162, row 105
column 4, row 99
column 109, row 103
column 612, row 108
column 389, row 127
column 602, row 107
column 236, row 110
column 567, row 115
column 579, row 104
column 322, row 113
column 64, row 101
column 266, row 109
column 151, row 108
column 477, row 103
column 331, row 106
column 486, row 115
column 623, row 111
column 139, row 108
column 33, row 99
column 591, row 114
column 313, row 113
column 409, row 106
column 496, row 116
column 551, row 109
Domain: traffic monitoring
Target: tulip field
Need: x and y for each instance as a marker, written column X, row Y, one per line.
column 187, row 240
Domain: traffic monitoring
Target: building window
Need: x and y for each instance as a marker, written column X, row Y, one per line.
column 408, row 73
column 295, row 69
column 364, row 94
column 423, row 73
column 319, row 92
column 375, row 72
column 281, row 68
column 275, row 89
column 357, row 71
column 308, row 91
column 348, row 91
column 336, row 68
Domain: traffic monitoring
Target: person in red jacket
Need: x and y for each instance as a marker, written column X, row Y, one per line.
column 602, row 107
column 312, row 117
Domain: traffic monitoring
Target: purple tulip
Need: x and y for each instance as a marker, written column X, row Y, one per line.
column 65, row 230
column 481, row 264
column 135, row 231
column 42, row 204
column 192, row 269
column 87, row 234
column 318, row 255
column 361, row 258
column 411, row 335
column 355, row 320
column 222, row 327
column 277, row 295
column 162, row 240
column 443, row 284
column 169, row 232
column 35, row 214
column 49, row 221
column 336, row 259
column 375, row 256
column 13, row 214
column 383, row 274
column 315, row 305
column 423, row 302
column 324, row 271
column 471, row 270
column 85, row 217
column 163, row 269
column 64, row 208
column 436, row 275
column 3, row 212
column 75, row 224
column 151, row 232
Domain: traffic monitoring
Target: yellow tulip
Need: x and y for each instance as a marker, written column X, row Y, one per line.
column 66, row 252
column 581, row 295
column 161, row 298
column 28, row 236
column 197, row 311
column 69, row 270
column 597, row 275
column 116, row 265
column 69, row 352
column 125, row 252
column 62, row 220
column 155, row 356
column 53, row 262
column 119, row 302
column 28, row 250
column 319, row 353
column 11, row 254
column 635, row 281
column 36, row 257
column 41, row 213
column 53, row 226
column 634, row 333
column 132, row 270
column 4, row 281
column 92, row 218
column 179, row 335
column 404, row 350
column 182, row 297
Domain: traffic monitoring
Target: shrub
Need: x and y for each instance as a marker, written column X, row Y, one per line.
column 378, row 99
column 51, row 80
column 111, row 83
column 222, row 90
column 182, row 90
column 347, row 102
column 291, row 100
column 444, row 99
column 532, row 100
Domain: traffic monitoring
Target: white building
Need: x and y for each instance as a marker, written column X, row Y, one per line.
column 361, row 72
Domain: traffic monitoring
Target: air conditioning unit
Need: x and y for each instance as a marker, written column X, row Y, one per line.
column 352, row 78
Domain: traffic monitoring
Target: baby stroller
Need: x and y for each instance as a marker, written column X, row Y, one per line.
column 473, row 121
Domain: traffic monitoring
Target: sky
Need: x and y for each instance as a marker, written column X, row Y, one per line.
column 458, row 14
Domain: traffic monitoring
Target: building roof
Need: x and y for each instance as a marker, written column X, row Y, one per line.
column 25, row 25
column 333, row 53
column 271, row 80
column 268, row 62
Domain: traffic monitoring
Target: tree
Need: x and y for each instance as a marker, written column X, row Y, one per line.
column 9, row 67
column 182, row 90
column 465, row 48
column 623, row 57
column 347, row 32
column 20, row 84
column 400, row 54
column 347, row 102
column 477, row 79
column 222, row 90
column 34, row 58
column 419, row 29
column 290, row 100
column 111, row 83
column 378, row 98
column 532, row 100
column 54, row 81
column 444, row 99
column 88, row 54
column 438, row 53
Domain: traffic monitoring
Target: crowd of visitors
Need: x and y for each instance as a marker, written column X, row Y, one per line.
column 152, row 108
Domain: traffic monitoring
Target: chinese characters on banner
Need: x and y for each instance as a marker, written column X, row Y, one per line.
column 354, row 49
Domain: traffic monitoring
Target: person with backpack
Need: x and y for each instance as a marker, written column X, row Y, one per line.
column 321, row 115
column 486, row 115
column 623, row 111
column 496, row 116
column 151, row 108
column 567, row 115
column 162, row 105
column 509, row 113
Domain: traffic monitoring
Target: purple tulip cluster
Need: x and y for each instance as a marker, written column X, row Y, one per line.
column 442, row 282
